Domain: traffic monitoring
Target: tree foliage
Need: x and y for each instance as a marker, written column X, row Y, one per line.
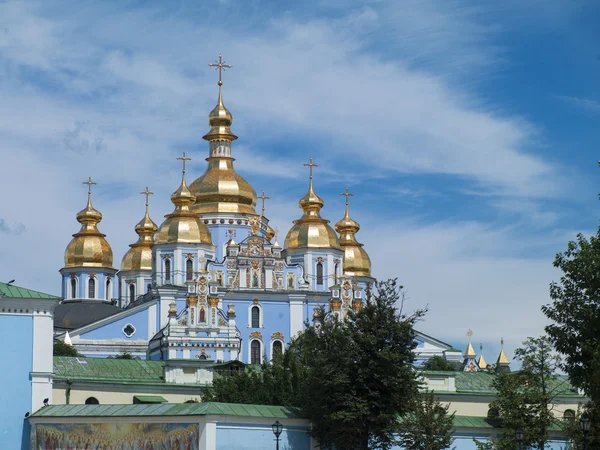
column 525, row 399
column 352, row 378
column 440, row 364
column 62, row 349
column 575, row 313
column 428, row 426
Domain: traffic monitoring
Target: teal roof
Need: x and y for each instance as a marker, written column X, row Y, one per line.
column 128, row 371
column 480, row 383
column 168, row 409
column 19, row 292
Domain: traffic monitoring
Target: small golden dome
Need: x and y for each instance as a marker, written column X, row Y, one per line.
column 270, row 233
column 182, row 225
column 221, row 188
column 356, row 261
column 230, row 310
column 311, row 230
column 88, row 248
column 139, row 256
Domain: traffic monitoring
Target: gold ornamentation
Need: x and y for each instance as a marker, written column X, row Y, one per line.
column 311, row 230
column 254, row 225
column 213, row 301
column 256, row 334
column 277, row 335
column 89, row 248
column 192, row 300
column 263, row 198
column 335, row 305
column 356, row 261
column 222, row 323
column 255, row 301
column 357, row 305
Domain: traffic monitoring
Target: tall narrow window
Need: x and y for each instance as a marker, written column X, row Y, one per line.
column 132, row 292
column 255, row 352
column 277, row 348
column 92, row 288
column 107, row 293
column 337, row 265
column 255, row 317
column 189, row 270
column 73, row 288
column 148, row 287
column 167, row 270
column 319, row 273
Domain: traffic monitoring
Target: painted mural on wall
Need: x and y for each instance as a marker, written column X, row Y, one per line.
column 117, row 436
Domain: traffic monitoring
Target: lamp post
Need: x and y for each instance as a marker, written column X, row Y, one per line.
column 584, row 424
column 277, row 429
column 519, row 436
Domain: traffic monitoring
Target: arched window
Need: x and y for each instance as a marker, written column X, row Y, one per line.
column 92, row 401
column 255, row 317
column 167, row 270
column 131, row 292
column 255, row 352
column 319, row 273
column 277, row 348
column 189, row 270
column 569, row 415
column 92, row 287
column 73, row 288
column 107, row 293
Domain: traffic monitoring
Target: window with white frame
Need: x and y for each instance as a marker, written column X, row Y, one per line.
column 255, row 351
column 92, row 287
column 73, row 287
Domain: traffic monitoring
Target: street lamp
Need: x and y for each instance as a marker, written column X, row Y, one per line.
column 519, row 436
column 277, row 429
column 584, row 424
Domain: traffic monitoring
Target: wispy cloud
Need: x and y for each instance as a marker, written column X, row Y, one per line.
column 587, row 104
column 19, row 228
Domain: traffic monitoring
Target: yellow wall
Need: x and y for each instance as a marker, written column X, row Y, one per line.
column 79, row 396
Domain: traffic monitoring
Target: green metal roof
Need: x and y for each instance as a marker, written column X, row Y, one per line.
column 167, row 409
column 130, row 371
column 470, row 422
column 480, row 383
column 19, row 292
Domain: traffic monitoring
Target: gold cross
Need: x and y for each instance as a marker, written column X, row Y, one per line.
column 220, row 66
column 89, row 182
column 263, row 198
column 311, row 165
column 184, row 159
column 347, row 194
column 147, row 193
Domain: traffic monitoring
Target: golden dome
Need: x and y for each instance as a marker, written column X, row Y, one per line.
column 139, row 256
column 270, row 233
column 311, row 230
column 221, row 188
column 88, row 248
column 356, row 261
column 182, row 225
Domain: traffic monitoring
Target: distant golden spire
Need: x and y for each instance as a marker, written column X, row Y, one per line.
column 220, row 118
column 263, row 198
column 482, row 364
column 356, row 261
column 139, row 256
column 502, row 359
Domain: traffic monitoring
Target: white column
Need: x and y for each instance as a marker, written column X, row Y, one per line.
column 242, row 275
column 296, row 319
column 152, row 321
column 269, row 278
column 330, row 271
column 208, row 435
column 178, row 272
column 42, row 364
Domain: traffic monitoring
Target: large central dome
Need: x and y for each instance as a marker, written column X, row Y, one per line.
column 221, row 188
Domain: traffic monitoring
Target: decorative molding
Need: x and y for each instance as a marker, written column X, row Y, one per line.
column 277, row 335
column 256, row 334
column 255, row 300
column 213, row 301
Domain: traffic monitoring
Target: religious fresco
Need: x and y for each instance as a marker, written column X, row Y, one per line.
column 116, row 436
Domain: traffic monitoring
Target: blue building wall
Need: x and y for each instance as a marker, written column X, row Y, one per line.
column 15, row 395
column 82, row 278
column 114, row 330
column 259, row 437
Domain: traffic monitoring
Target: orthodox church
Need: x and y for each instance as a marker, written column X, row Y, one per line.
column 212, row 281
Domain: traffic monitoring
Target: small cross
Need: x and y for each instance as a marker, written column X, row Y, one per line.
column 147, row 193
column 89, row 182
column 347, row 194
column 310, row 165
column 184, row 159
column 220, row 66
column 263, row 198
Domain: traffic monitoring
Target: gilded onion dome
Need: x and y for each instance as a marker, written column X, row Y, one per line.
column 311, row 230
column 139, row 256
column 182, row 225
column 221, row 188
column 88, row 248
column 356, row 261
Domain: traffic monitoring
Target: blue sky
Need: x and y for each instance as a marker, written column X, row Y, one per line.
column 468, row 132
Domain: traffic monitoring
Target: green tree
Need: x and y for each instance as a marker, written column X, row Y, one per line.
column 62, row 349
column 440, row 364
column 428, row 426
column 575, row 313
column 352, row 378
column 124, row 355
column 525, row 399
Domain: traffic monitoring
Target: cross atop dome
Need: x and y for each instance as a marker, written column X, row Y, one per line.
column 221, row 67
